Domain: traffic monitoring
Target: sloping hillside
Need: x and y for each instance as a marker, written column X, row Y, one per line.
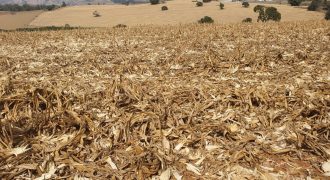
column 17, row 19
column 69, row 2
column 238, row 101
column 180, row 12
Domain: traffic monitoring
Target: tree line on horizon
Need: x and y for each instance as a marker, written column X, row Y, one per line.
column 29, row 7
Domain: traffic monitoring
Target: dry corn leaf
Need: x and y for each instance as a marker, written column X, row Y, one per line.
column 111, row 163
column 326, row 166
column 49, row 174
column 166, row 143
column 199, row 162
column 179, row 146
column 19, row 150
column 78, row 97
column 77, row 177
column 176, row 175
column 165, row 175
column 193, row 169
column 233, row 128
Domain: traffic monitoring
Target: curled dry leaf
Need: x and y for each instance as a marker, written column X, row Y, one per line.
column 166, row 175
column 166, row 143
column 326, row 167
column 77, row 177
column 177, row 175
column 233, row 128
column 193, row 169
column 49, row 174
column 111, row 163
column 19, row 150
column 199, row 162
column 327, row 174
column 179, row 146
column 210, row 147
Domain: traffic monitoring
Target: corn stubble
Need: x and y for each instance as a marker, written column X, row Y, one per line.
column 178, row 102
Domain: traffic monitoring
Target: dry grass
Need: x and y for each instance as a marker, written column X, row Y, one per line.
column 180, row 11
column 17, row 20
column 235, row 101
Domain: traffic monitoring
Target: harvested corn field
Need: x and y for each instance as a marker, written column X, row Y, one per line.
column 176, row 102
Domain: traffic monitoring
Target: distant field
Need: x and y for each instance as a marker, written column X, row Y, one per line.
column 180, row 11
column 17, row 19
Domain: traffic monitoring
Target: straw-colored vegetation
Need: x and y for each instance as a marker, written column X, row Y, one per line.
column 211, row 101
column 13, row 20
column 180, row 12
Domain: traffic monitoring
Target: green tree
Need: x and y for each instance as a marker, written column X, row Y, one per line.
column 267, row 13
column 245, row 4
column 247, row 20
column 222, row 6
column 327, row 14
column 153, row 2
column 273, row 14
column 314, row 5
column 261, row 10
column 199, row 4
column 295, row 2
column 206, row 19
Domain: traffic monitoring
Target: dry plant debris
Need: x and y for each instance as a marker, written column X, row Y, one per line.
column 177, row 102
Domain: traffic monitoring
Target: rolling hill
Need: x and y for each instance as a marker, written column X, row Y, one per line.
column 180, row 12
column 69, row 2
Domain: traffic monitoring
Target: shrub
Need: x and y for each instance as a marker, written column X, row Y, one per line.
column 315, row 5
column 63, row 4
column 261, row 10
column 120, row 26
column 199, row 4
column 45, row 28
column 273, row 14
column 295, row 2
column 96, row 14
column 247, row 20
column 221, row 5
column 258, row 8
column 245, row 4
column 206, row 19
column 267, row 13
column 164, row 8
column 153, row 2
column 67, row 26
column 206, row 1
column 327, row 14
